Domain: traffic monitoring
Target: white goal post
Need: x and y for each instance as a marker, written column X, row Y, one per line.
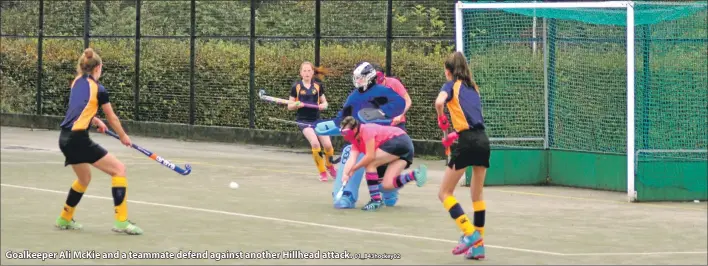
column 630, row 56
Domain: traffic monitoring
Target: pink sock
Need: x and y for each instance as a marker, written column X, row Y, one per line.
column 372, row 179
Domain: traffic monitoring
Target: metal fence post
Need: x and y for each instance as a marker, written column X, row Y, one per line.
column 252, row 69
column 318, row 33
column 136, row 83
column 389, row 35
column 40, row 44
column 192, row 59
column 87, row 22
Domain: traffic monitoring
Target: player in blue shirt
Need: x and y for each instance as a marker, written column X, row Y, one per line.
column 86, row 96
column 366, row 94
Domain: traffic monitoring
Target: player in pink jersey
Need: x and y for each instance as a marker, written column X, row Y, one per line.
column 380, row 145
column 396, row 85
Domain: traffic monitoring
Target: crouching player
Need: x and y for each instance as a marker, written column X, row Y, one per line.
column 381, row 145
column 367, row 94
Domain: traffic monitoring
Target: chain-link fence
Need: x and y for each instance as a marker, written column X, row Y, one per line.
column 203, row 62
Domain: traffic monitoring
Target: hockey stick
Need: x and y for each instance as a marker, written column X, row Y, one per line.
column 187, row 168
column 331, row 159
column 263, row 96
column 289, row 122
column 447, row 142
column 341, row 191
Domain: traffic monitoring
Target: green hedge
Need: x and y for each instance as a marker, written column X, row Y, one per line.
column 512, row 88
column 588, row 111
column 221, row 73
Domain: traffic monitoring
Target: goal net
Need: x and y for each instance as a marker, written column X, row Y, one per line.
column 616, row 91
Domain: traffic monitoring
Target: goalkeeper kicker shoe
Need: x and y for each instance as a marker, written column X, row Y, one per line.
column 346, row 202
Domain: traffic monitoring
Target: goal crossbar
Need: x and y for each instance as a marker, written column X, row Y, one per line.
column 598, row 4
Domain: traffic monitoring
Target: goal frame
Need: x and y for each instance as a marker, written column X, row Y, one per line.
column 630, row 35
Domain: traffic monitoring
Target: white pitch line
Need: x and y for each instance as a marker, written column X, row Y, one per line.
column 360, row 230
column 62, row 163
column 638, row 253
column 286, row 220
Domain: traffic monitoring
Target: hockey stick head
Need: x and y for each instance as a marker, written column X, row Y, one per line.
column 341, row 191
column 187, row 170
column 261, row 93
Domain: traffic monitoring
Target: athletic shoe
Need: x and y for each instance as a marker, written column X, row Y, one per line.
column 466, row 242
column 63, row 224
column 332, row 172
column 127, row 227
column 421, row 175
column 372, row 205
column 476, row 252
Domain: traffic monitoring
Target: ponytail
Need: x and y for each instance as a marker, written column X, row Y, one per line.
column 88, row 62
column 456, row 63
column 320, row 72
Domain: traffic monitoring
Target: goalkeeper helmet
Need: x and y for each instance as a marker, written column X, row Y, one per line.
column 364, row 74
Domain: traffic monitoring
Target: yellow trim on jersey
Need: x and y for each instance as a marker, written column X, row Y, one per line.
column 459, row 122
column 297, row 91
column 84, row 120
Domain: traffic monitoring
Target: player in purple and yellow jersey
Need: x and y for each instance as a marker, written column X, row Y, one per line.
column 309, row 90
column 461, row 95
column 86, row 96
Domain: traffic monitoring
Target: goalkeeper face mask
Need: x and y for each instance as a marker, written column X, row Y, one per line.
column 363, row 75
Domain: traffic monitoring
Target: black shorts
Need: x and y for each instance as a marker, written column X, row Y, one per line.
column 302, row 124
column 401, row 146
column 78, row 148
column 472, row 149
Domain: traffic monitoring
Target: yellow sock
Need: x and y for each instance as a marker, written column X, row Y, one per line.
column 480, row 209
column 319, row 161
column 119, row 190
column 75, row 194
column 456, row 212
column 329, row 153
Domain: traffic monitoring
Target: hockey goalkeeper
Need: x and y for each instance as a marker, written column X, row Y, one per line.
column 369, row 102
